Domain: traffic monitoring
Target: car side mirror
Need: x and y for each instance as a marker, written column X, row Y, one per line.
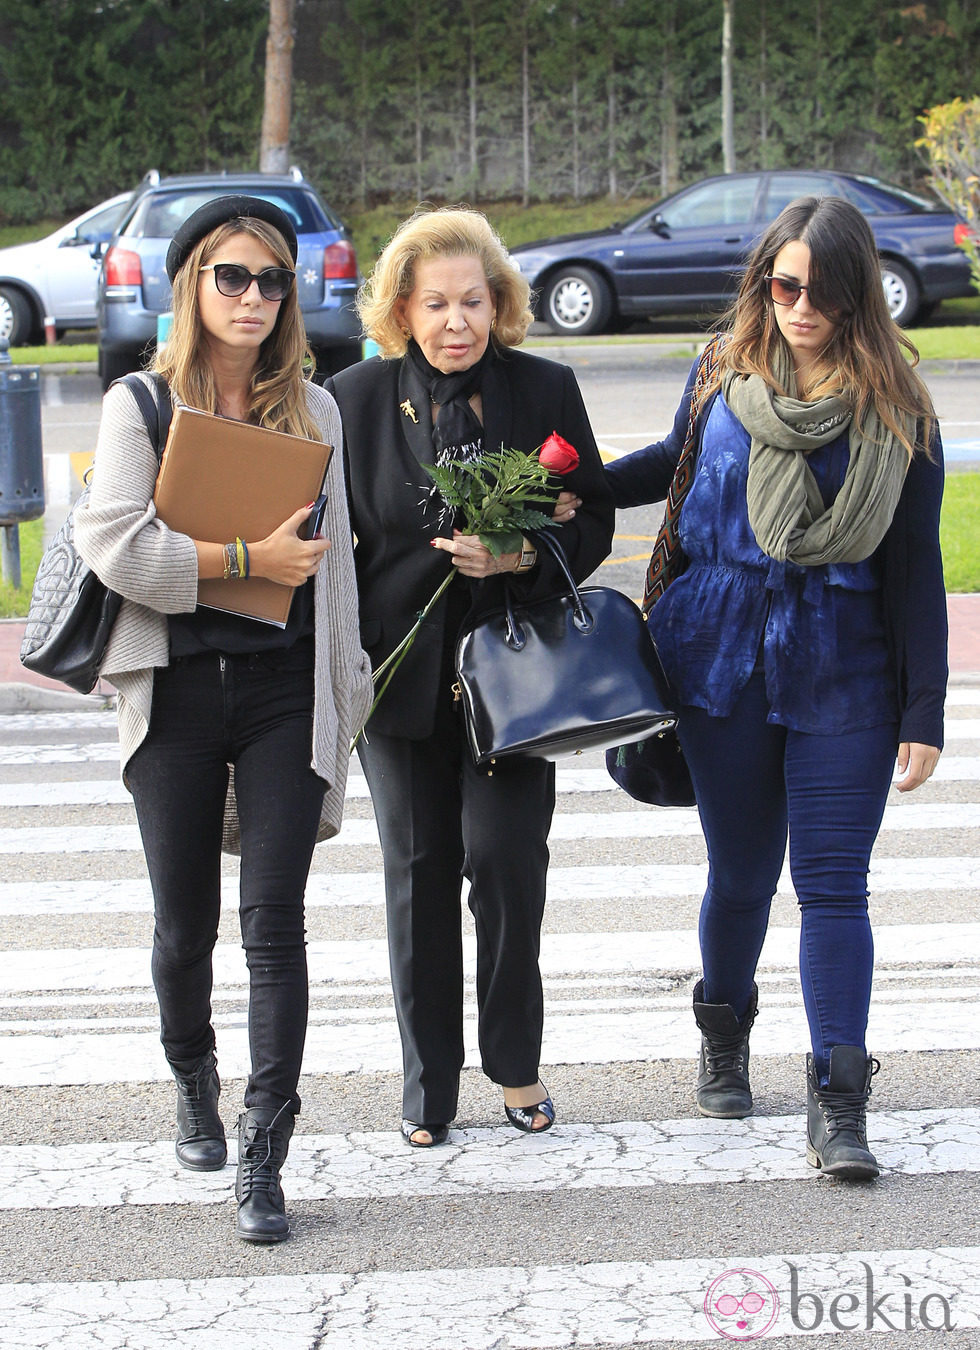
column 659, row 226
column 97, row 249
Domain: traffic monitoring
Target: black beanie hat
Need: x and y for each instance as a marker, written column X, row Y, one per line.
column 217, row 212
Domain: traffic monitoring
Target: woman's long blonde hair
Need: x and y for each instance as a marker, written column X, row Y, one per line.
column 868, row 359
column 446, row 232
column 277, row 391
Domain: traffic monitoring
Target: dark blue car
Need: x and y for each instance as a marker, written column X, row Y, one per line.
column 685, row 255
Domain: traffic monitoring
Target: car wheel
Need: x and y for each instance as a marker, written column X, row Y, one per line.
column 901, row 292
column 114, row 365
column 16, row 319
column 577, row 300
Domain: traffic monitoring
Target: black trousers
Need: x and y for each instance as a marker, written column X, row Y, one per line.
column 254, row 712
column 440, row 820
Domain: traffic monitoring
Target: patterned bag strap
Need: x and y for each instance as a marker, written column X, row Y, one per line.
column 665, row 559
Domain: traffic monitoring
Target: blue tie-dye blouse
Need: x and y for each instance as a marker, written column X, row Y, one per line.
column 817, row 632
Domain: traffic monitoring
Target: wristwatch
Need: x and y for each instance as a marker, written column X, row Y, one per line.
column 529, row 556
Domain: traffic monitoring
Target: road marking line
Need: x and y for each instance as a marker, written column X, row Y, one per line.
column 329, row 889
column 487, row 1161
column 608, row 1303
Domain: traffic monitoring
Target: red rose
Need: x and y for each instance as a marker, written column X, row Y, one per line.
column 557, row 455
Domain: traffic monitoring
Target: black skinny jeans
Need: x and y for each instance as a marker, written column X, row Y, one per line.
column 254, row 712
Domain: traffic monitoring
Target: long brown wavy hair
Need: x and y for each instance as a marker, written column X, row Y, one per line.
column 868, row 359
column 277, row 391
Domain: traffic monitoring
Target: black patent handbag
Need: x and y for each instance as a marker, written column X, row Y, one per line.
column 71, row 611
column 551, row 677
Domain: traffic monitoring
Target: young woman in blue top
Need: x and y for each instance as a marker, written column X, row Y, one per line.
column 805, row 641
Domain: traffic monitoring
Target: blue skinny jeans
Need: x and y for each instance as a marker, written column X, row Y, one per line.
column 753, row 781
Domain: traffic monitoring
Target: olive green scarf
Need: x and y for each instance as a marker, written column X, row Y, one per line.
column 786, row 510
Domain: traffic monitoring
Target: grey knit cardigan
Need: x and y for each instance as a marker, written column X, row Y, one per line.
column 118, row 534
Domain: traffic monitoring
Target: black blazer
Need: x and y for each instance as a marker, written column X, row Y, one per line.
column 387, row 421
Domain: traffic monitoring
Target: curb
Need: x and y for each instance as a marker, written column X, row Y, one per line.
column 22, row 698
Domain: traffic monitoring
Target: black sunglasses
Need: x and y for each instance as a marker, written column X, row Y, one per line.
column 232, row 279
column 786, row 292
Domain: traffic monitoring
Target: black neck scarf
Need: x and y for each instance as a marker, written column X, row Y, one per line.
column 457, row 432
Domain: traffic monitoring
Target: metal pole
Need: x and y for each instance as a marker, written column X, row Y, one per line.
column 10, row 555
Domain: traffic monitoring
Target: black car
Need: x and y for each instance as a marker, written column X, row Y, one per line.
column 685, row 255
column 134, row 290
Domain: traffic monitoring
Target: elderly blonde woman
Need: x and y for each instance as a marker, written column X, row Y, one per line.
column 201, row 689
column 447, row 310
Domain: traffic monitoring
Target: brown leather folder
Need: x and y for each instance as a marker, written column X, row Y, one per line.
column 220, row 479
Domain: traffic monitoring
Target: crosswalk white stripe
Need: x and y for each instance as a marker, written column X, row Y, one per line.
column 586, row 1037
column 482, row 1161
column 647, row 824
column 951, row 768
column 546, row 1307
column 647, row 881
column 95, row 718
column 366, row 959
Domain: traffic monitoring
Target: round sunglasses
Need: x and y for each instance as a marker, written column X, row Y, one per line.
column 232, row 280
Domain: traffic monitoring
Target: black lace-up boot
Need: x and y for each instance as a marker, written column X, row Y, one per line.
column 200, row 1134
column 836, row 1127
column 723, row 1069
column 263, row 1141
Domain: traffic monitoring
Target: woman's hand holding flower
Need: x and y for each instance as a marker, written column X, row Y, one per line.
column 472, row 557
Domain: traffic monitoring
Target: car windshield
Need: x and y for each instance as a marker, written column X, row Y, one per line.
column 888, row 198
column 161, row 213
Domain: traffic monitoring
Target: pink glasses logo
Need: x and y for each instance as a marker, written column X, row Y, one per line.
column 741, row 1305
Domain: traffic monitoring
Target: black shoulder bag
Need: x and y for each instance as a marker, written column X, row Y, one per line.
column 550, row 677
column 72, row 612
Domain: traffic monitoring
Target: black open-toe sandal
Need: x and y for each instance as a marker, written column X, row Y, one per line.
column 438, row 1134
column 522, row 1117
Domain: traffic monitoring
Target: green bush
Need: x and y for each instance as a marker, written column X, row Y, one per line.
column 959, row 532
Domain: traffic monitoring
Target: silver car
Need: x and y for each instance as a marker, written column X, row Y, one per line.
column 55, row 277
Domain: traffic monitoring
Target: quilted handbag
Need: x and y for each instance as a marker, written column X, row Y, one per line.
column 71, row 612
column 551, row 677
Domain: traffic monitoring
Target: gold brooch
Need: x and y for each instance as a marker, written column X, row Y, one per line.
column 409, row 411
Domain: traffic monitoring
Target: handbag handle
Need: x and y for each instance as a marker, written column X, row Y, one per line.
column 514, row 634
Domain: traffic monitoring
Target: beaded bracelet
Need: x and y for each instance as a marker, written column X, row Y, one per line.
column 235, row 561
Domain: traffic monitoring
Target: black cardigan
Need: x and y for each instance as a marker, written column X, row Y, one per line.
column 910, row 562
column 387, row 438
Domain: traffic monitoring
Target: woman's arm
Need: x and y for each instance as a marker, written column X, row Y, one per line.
column 923, row 655
column 644, row 476
column 117, row 531
column 121, row 537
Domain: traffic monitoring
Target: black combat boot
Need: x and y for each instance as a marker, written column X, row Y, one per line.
column 723, row 1069
column 200, row 1134
column 836, row 1129
column 263, row 1141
